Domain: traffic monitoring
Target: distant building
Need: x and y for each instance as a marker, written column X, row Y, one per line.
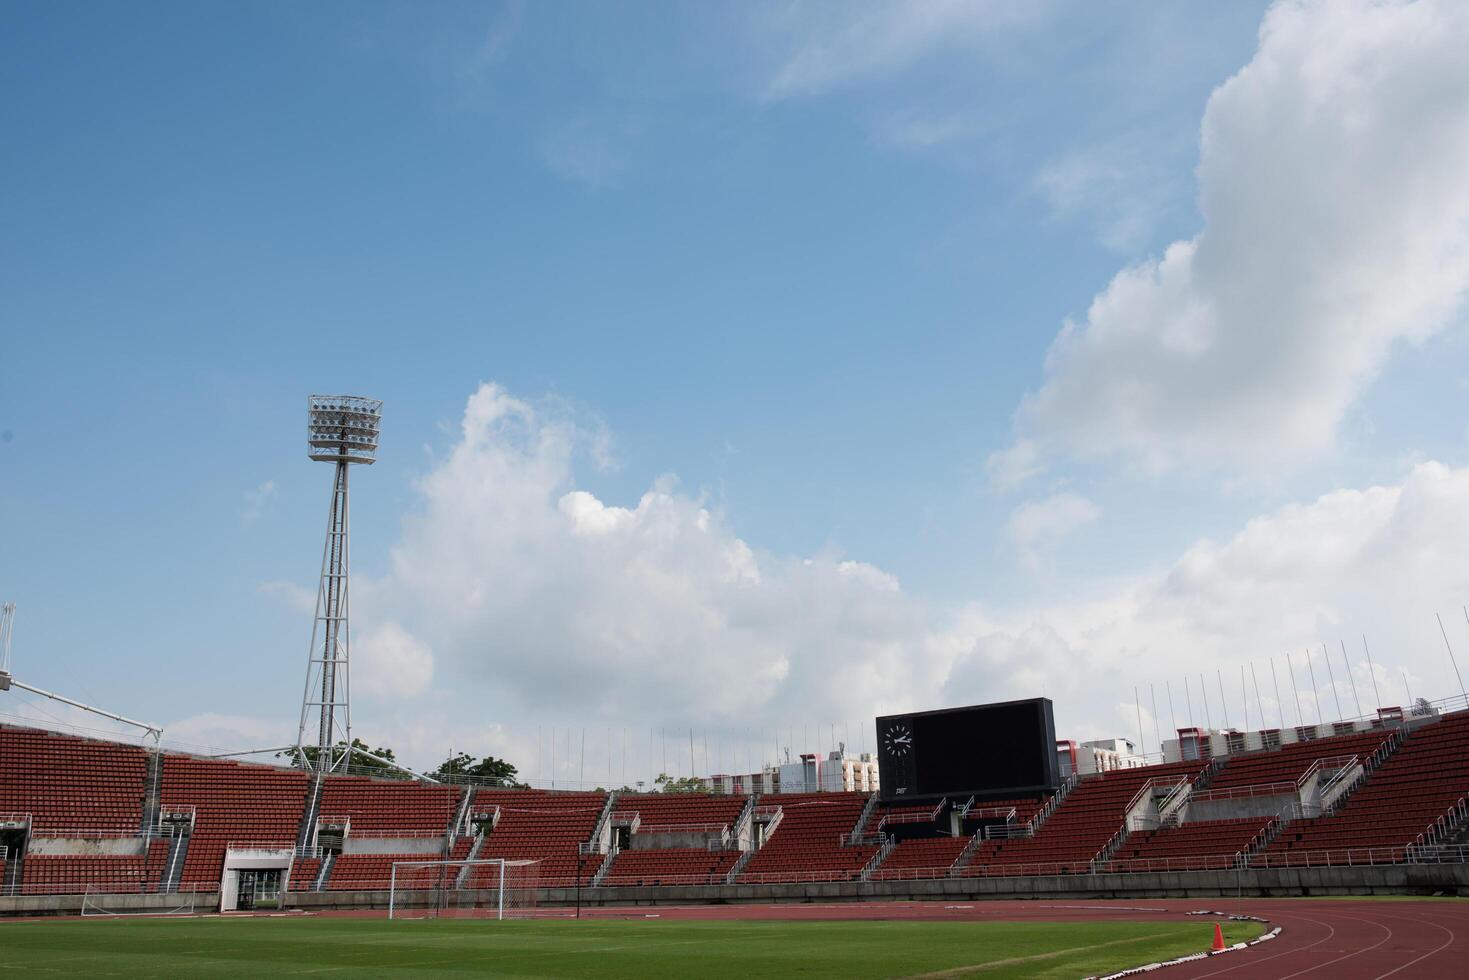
column 1097, row 755
column 838, row 772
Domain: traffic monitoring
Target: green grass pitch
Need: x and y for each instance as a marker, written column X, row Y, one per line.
column 280, row 947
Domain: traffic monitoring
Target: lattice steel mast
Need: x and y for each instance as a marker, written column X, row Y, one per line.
column 342, row 429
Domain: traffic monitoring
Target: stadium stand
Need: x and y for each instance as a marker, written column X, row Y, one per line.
column 385, row 806
column 303, row 874
column 76, row 789
column 1205, row 845
column 1289, row 762
column 1424, row 778
column 676, row 815
column 544, row 826
column 671, row 866
column 1078, row 829
column 71, row 784
column 47, row 874
column 233, row 802
column 808, row 843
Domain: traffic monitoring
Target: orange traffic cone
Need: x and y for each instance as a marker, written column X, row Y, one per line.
column 1218, row 938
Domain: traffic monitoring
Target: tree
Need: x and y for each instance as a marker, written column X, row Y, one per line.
column 682, row 784
column 374, row 762
column 461, row 765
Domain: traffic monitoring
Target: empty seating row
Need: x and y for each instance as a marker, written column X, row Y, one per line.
column 1427, row 774
column 233, row 802
column 70, row 783
column 1202, row 845
column 670, row 866
column 808, row 841
column 387, row 805
column 1289, row 762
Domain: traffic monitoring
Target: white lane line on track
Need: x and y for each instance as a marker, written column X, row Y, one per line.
column 1248, row 962
column 1347, row 956
column 1448, row 942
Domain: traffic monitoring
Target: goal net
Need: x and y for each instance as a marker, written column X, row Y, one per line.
column 489, row 888
column 99, row 900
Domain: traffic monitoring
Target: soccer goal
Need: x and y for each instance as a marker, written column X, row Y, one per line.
column 489, row 888
column 110, row 902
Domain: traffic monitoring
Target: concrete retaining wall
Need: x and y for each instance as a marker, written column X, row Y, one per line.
column 1452, row 879
column 1396, row 879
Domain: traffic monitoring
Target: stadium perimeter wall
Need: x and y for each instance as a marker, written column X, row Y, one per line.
column 1272, row 882
column 1394, row 879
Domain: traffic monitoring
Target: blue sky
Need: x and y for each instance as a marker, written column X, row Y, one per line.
column 797, row 267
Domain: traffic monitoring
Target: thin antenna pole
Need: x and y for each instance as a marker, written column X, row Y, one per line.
column 1244, row 696
column 1168, row 685
column 1189, row 698
column 1259, row 701
column 1332, row 673
column 1315, row 697
column 1452, row 660
column 1152, row 692
column 1208, row 721
column 1373, row 671
column 1279, row 704
column 1406, row 688
column 1137, row 703
column 1224, row 704
column 1350, row 678
column 1290, row 665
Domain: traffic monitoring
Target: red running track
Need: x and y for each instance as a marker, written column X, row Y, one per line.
column 1337, row 939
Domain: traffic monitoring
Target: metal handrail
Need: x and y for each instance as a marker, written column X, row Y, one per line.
column 85, row 833
column 1282, row 788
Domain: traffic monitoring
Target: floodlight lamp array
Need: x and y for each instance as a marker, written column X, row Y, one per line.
column 343, row 428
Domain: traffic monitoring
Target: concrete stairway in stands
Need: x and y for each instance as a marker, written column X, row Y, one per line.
column 307, row 829
column 151, row 791
column 173, row 868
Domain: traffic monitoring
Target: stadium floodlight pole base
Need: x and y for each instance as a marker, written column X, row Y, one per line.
column 484, row 888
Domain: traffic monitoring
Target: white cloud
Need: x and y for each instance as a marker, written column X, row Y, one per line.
column 392, row 662
column 257, row 501
column 541, row 602
column 842, row 43
column 1036, row 527
column 1119, row 189
column 297, row 597
column 1336, row 226
column 219, row 732
column 1009, row 469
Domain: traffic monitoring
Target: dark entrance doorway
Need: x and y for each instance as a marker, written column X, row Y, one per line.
column 259, row 889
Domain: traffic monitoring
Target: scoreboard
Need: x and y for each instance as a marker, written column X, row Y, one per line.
column 984, row 750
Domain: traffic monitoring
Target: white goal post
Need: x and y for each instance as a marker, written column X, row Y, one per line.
column 486, row 888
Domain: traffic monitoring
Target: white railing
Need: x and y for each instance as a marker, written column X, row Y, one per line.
column 85, row 833
column 927, row 816
column 394, row 834
column 15, row 821
column 1445, row 824
column 1282, row 788
column 1057, row 798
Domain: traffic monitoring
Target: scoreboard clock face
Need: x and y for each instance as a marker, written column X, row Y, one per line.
column 898, row 739
column 897, row 757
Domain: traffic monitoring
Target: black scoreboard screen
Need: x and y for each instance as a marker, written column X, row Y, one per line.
column 985, row 750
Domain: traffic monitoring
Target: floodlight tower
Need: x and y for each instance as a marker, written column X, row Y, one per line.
column 343, row 430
